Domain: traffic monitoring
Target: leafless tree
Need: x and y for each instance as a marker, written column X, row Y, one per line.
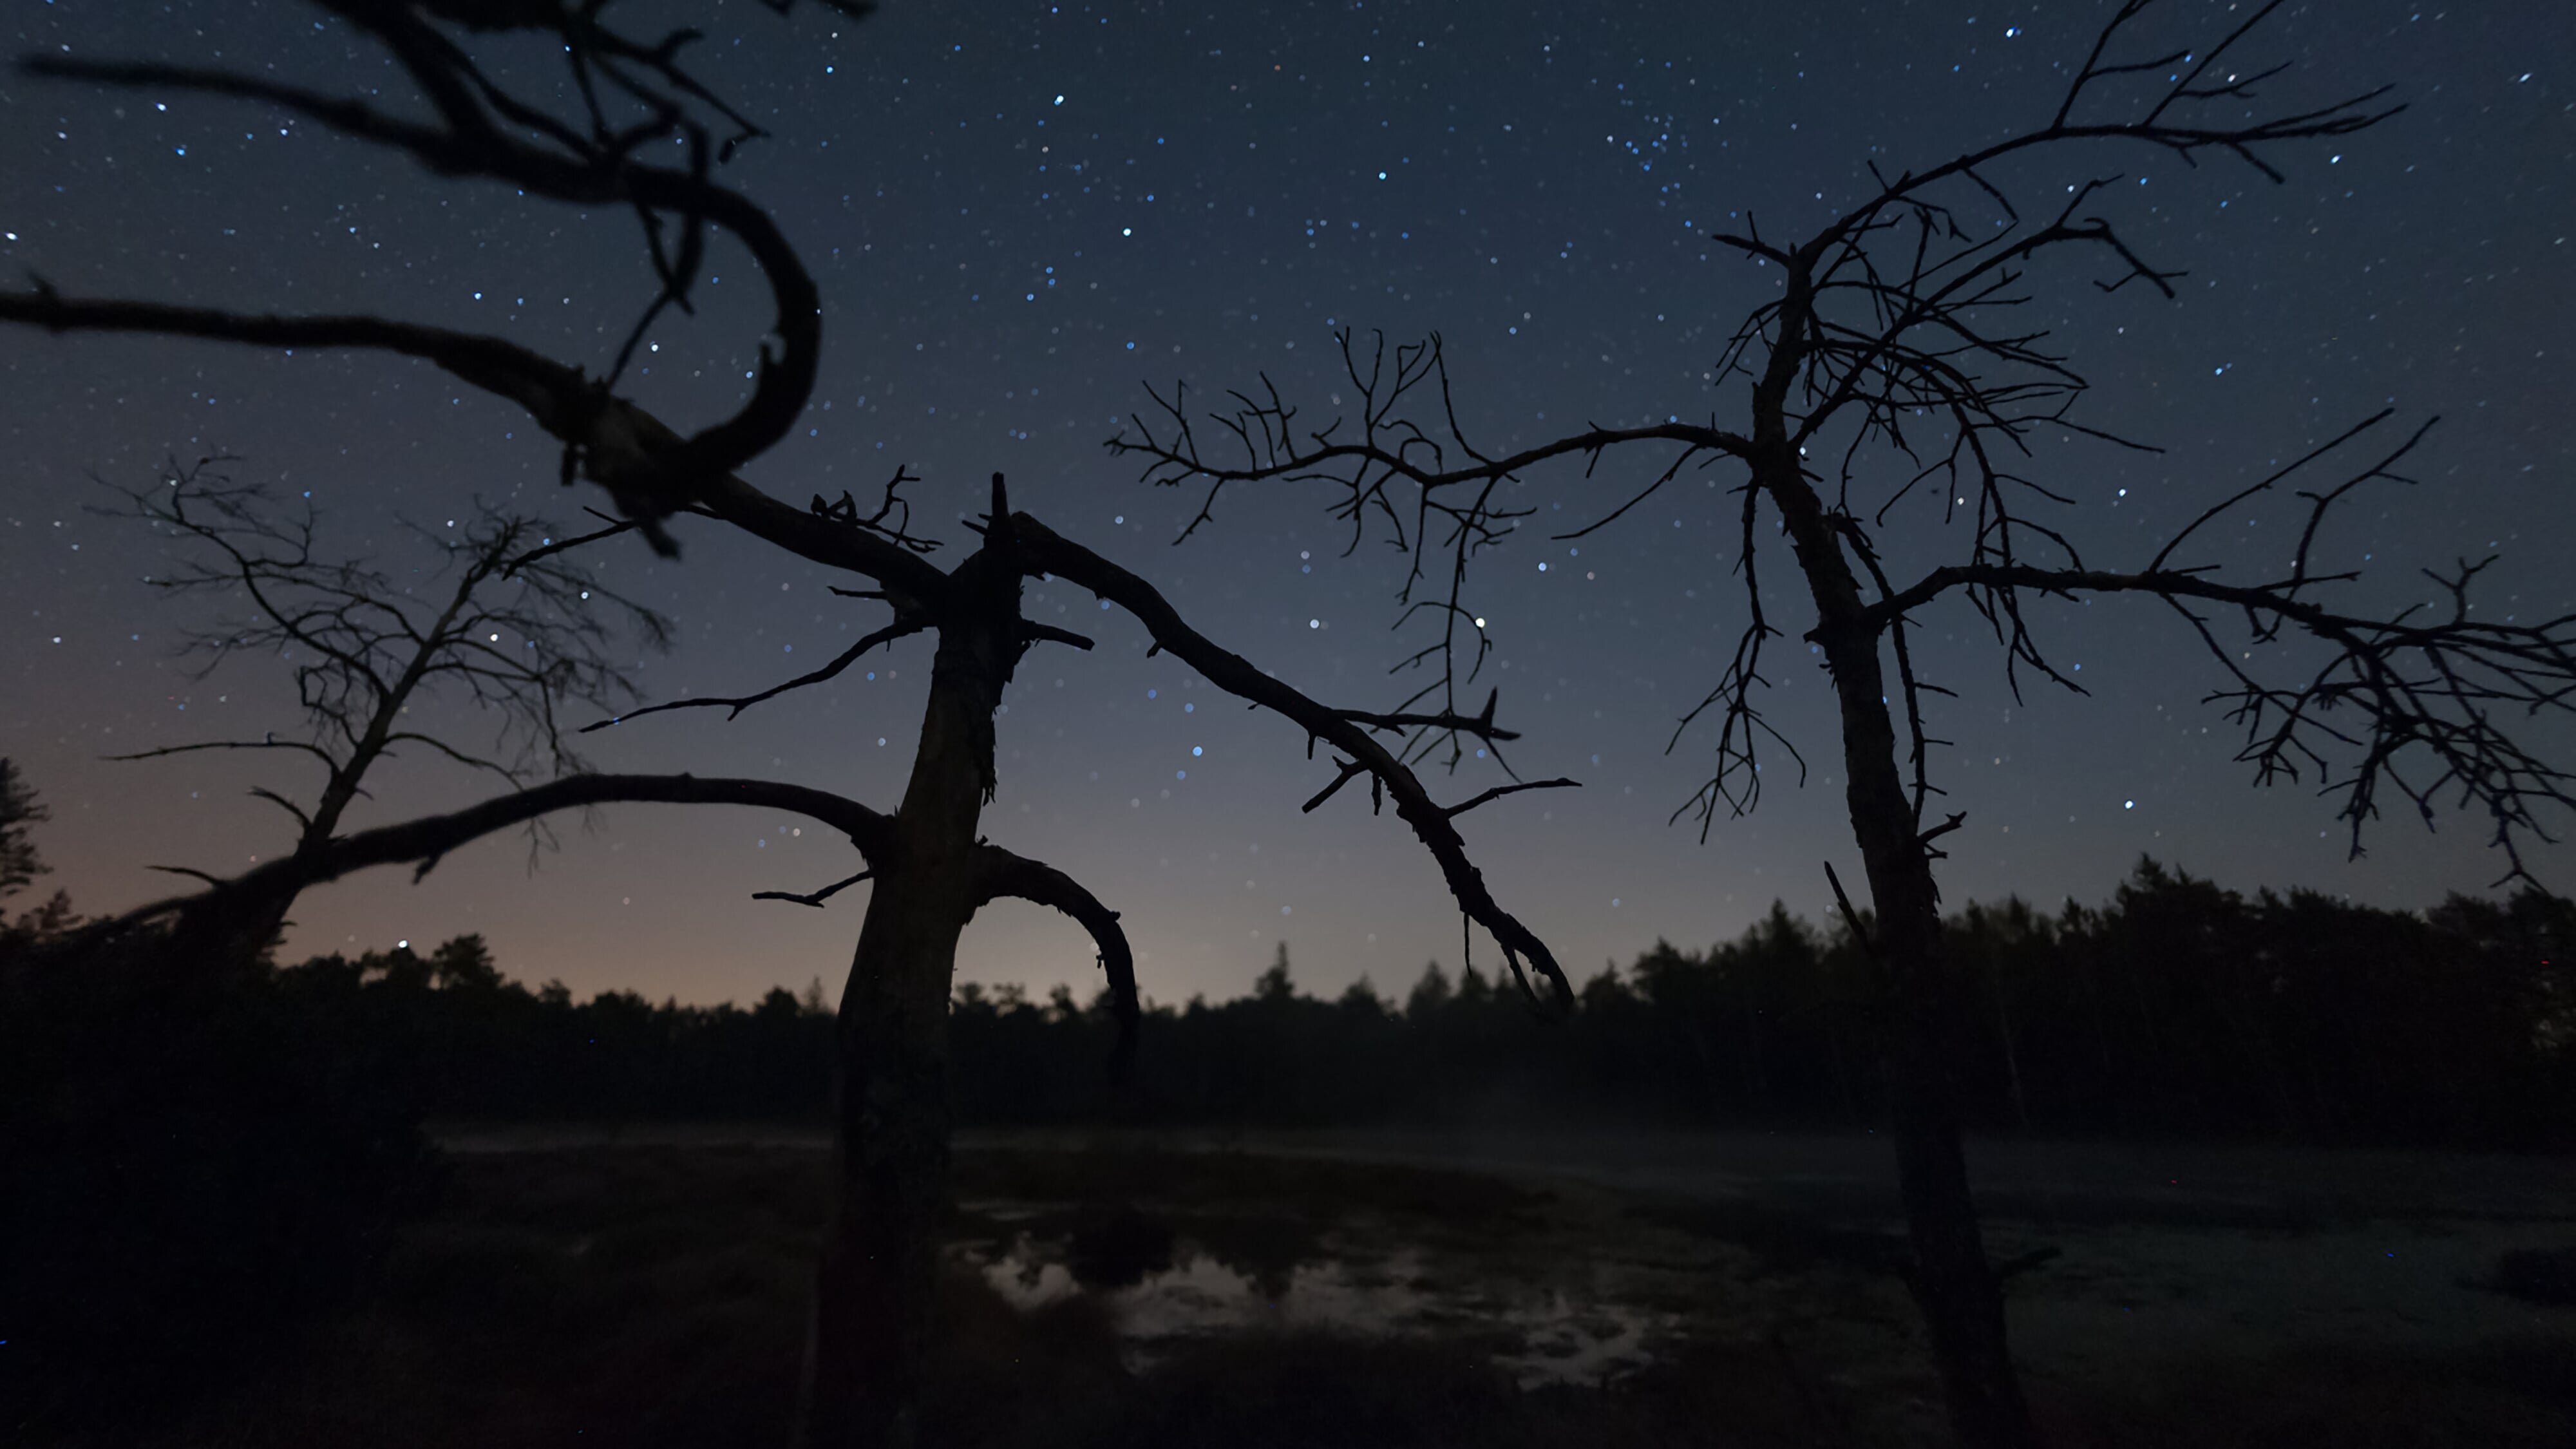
column 629, row 98
column 1894, row 385
column 505, row 622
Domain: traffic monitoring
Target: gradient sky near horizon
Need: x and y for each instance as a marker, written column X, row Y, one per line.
column 1022, row 213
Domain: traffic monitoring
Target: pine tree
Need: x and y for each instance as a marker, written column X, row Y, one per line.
column 19, row 809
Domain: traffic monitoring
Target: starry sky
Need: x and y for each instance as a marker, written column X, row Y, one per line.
column 1022, row 213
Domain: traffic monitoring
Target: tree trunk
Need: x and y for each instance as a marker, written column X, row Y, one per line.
column 1961, row 1299
column 1960, row 1296
column 869, row 1345
column 868, row 1348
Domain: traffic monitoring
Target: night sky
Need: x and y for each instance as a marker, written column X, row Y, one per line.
column 1020, row 214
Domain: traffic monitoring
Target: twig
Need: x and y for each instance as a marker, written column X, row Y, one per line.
column 1499, row 791
column 815, row 898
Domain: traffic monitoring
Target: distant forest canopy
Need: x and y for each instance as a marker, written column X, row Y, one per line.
column 2175, row 1008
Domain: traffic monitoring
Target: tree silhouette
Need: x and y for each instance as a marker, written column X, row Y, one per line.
column 19, row 810
column 627, row 98
column 2178, row 1007
column 1891, row 385
column 518, row 632
column 204, row 1165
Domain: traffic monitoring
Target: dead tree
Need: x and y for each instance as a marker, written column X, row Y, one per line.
column 631, row 98
column 1890, row 388
column 508, row 626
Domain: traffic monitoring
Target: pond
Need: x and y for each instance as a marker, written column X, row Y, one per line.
column 1166, row 1278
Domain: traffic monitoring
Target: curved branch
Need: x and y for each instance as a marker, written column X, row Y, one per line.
column 619, row 439
column 427, row 840
column 469, row 145
column 187, row 871
column 547, row 389
column 302, row 820
column 1000, row 873
column 474, row 762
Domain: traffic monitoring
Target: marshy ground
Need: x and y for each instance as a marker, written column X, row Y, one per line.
column 1435, row 1289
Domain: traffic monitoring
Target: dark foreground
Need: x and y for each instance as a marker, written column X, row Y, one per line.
column 1319, row 1292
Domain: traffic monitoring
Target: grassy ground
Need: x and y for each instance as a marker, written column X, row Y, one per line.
column 655, row 1295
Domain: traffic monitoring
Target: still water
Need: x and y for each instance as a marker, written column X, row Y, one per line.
column 1163, row 1280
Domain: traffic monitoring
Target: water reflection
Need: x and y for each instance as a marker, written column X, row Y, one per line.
column 1164, row 1281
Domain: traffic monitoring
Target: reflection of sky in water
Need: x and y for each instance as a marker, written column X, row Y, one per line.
column 1540, row 1334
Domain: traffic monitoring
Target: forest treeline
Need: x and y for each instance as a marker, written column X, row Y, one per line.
column 211, row 1154
column 2177, row 1007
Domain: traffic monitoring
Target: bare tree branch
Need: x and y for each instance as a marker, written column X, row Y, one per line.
column 999, row 873
column 1499, row 791
column 1345, row 772
column 1481, row 724
column 1237, row 676
column 480, row 130
column 1899, row 329
column 617, row 440
column 814, row 898
column 900, row 628
column 428, row 840
column 1424, row 482
column 2429, row 684
column 362, row 648
column 270, row 744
